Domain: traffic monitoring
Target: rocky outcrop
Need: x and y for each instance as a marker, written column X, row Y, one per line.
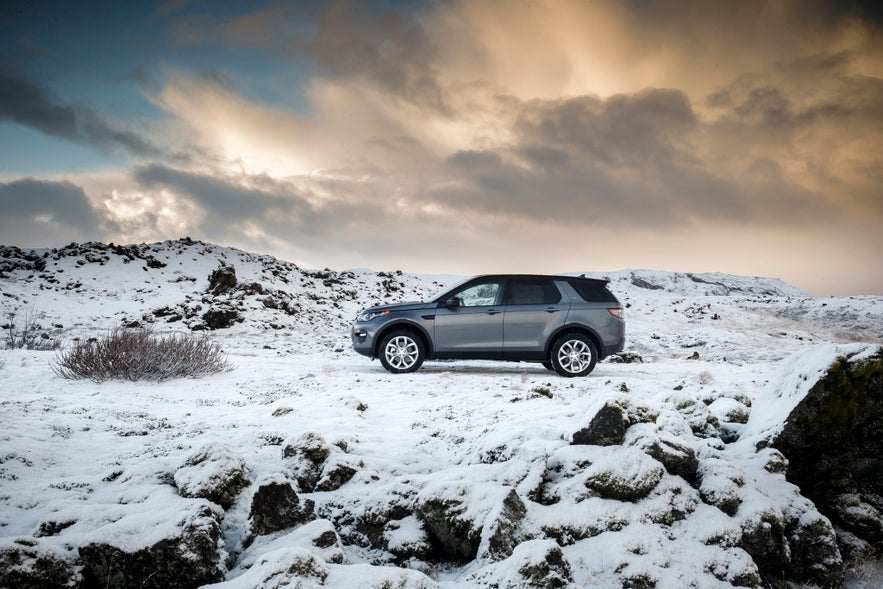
column 833, row 440
column 222, row 279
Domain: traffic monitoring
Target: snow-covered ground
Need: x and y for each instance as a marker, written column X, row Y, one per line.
column 81, row 461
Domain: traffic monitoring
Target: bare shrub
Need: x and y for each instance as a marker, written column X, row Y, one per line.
column 138, row 354
column 28, row 335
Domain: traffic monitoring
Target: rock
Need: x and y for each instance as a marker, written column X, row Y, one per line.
column 677, row 458
column 721, row 485
column 815, row 557
column 222, row 280
column 456, row 535
column 220, row 318
column 215, row 473
column 306, row 457
column 192, row 557
column 607, row 427
column 276, row 506
column 365, row 518
column 625, row 358
column 407, row 539
column 318, row 537
column 285, row 567
column 833, row 440
column 337, row 471
column 626, row 475
column 763, row 537
column 27, row 564
column 462, row 518
column 500, row 539
column 536, row 564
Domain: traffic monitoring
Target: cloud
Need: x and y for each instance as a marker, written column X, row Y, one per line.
column 34, row 209
column 390, row 50
column 27, row 103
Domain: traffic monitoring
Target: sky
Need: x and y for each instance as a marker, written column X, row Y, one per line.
column 455, row 136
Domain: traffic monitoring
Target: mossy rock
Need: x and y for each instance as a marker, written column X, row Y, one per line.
column 25, row 565
column 833, row 440
column 628, row 475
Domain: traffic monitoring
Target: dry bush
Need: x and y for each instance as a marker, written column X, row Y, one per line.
column 29, row 335
column 138, row 354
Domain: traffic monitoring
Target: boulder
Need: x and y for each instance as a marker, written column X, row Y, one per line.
column 607, row 427
column 25, row 563
column 536, row 564
column 626, row 475
column 220, row 318
column 222, row 280
column 833, row 440
column 337, row 471
column 500, row 536
column 674, row 454
column 276, row 506
column 215, row 473
column 463, row 519
column 305, row 458
column 368, row 517
column 191, row 556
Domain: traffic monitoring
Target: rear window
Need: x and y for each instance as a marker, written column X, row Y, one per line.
column 534, row 291
column 593, row 291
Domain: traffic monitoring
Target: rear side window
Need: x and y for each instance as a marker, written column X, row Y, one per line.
column 593, row 291
column 534, row 291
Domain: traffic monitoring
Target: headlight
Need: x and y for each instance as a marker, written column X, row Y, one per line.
column 369, row 315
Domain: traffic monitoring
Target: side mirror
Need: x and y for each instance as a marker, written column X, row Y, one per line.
column 453, row 302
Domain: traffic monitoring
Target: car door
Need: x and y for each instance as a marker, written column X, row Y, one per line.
column 473, row 327
column 535, row 309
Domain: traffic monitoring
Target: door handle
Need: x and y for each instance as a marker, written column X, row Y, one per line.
column 552, row 310
column 492, row 312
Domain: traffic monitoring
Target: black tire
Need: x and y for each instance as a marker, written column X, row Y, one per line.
column 548, row 365
column 573, row 354
column 401, row 351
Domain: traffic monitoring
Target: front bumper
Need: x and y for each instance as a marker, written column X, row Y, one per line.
column 363, row 339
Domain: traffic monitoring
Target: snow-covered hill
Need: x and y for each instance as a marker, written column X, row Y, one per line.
column 460, row 475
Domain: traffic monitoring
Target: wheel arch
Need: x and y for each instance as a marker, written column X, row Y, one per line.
column 416, row 328
column 574, row 328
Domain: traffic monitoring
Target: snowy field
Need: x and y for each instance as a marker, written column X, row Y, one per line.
column 83, row 461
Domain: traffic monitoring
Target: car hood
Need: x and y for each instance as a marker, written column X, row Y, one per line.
column 407, row 306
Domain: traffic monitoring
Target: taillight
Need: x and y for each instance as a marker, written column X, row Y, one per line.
column 616, row 312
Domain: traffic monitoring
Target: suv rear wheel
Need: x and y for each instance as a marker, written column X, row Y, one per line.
column 573, row 354
column 401, row 351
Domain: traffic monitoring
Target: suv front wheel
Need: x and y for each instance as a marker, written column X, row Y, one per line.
column 573, row 354
column 401, row 351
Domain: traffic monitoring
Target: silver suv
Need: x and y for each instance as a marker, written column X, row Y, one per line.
column 567, row 323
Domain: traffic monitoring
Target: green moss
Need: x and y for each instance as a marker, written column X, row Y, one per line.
column 848, row 388
column 309, row 567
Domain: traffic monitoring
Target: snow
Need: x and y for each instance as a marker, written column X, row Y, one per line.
column 88, row 461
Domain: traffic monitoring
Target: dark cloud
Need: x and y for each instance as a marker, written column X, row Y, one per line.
column 623, row 129
column 227, row 199
column 37, row 213
column 631, row 160
column 30, row 104
column 390, row 50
